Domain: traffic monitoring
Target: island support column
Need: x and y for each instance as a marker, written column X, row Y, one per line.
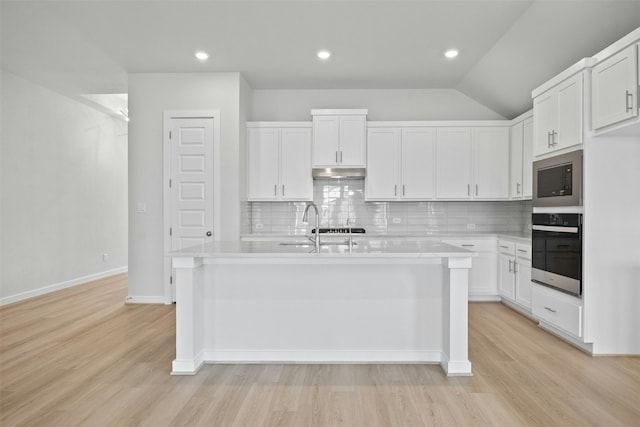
column 455, row 357
column 189, row 315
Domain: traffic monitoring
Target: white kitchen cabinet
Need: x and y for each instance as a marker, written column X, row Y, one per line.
column 514, row 272
column 491, row 163
column 453, row 163
column 506, row 276
column 279, row 162
column 483, row 278
column 556, row 309
column 472, row 163
column 521, row 160
column 558, row 116
column 400, row 164
column 339, row 138
column 527, row 159
column 615, row 89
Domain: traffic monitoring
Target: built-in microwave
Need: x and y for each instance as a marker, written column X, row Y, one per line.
column 557, row 181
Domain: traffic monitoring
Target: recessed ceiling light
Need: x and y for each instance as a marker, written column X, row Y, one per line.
column 451, row 53
column 324, row 54
column 202, row 56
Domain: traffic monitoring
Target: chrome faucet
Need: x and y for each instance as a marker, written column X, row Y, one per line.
column 305, row 219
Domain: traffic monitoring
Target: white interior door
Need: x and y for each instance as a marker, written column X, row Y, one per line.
column 191, row 182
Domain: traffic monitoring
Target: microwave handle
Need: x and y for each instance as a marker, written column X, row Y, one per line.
column 555, row 229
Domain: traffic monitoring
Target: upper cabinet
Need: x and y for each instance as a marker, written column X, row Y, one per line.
column 400, row 163
column 521, row 164
column 279, row 161
column 558, row 115
column 339, row 138
column 472, row 163
column 615, row 89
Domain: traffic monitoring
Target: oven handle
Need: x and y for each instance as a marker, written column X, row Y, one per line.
column 556, row 229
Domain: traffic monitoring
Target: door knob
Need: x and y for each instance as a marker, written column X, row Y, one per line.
column 208, row 234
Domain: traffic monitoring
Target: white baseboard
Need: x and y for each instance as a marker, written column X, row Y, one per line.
column 322, row 356
column 62, row 285
column 145, row 299
column 483, row 298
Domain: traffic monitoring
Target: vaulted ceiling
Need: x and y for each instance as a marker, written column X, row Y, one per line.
column 507, row 47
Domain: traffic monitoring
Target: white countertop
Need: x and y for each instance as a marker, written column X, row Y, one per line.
column 302, row 247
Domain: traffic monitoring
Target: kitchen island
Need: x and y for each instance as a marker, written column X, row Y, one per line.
column 376, row 301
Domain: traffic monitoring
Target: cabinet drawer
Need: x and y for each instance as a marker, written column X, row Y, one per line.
column 506, row 247
column 560, row 310
column 484, row 245
column 523, row 251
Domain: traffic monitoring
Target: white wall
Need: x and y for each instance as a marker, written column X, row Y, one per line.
column 149, row 96
column 246, row 100
column 64, row 190
column 383, row 104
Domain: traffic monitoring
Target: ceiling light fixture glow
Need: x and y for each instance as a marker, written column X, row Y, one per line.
column 451, row 53
column 324, row 54
column 202, row 56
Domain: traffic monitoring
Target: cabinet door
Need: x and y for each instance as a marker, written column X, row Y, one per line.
column 527, row 158
column 491, row 163
column 545, row 116
column 418, row 163
column 523, row 284
column 453, row 163
column 263, row 163
column 569, row 128
column 506, row 276
column 516, row 144
column 382, row 164
column 352, row 141
column 326, row 134
column 614, row 87
column 295, row 164
column 482, row 276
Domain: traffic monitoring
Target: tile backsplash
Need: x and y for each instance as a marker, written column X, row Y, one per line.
column 339, row 200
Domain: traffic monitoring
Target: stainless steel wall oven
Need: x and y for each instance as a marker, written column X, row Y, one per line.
column 557, row 251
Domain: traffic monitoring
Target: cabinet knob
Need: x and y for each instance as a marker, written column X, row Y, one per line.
column 208, row 234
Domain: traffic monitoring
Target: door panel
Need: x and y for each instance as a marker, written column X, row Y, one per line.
column 295, row 173
column 191, row 182
column 453, row 153
column 263, row 163
column 382, row 164
column 418, row 163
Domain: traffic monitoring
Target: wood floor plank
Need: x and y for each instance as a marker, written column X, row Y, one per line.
column 81, row 356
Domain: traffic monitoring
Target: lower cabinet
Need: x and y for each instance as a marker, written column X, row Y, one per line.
column 514, row 273
column 559, row 310
column 482, row 276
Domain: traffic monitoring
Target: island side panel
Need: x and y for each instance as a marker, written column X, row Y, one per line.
column 190, row 323
column 375, row 310
column 455, row 358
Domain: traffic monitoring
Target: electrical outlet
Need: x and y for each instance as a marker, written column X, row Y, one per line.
column 105, row 257
column 396, row 220
column 471, row 226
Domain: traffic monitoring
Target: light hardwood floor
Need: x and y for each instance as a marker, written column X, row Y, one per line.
column 82, row 357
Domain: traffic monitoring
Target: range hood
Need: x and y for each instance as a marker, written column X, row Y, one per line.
column 338, row 173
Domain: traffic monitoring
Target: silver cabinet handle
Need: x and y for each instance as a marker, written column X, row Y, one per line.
column 517, row 188
column 282, row 190
column 550, row 309
column 515, row 267
column 553, row 138
column 476, row 189
column 395, row 190
column 522, row 250
column 403, row 190
column 510, row 270
column 275, row 189
column 468, row 189
column 467, row 246
column 336, row 157
column 628, row 95
column 549, row 139
column 504, row 247
column 340, row 157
